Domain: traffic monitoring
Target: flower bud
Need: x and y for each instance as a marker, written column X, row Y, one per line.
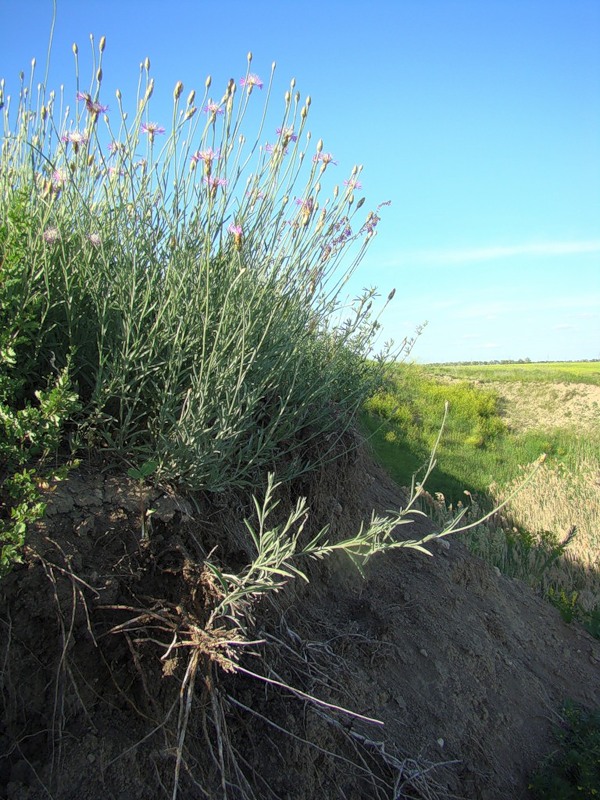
column 102, row 44
column 75, row 49
column 319, row 145
column 99, row 75
column 147, row 64
column 118, row 94
column 178, row 90
column 249, row 56
column 391, row 295
column 208, row 82
column 33, row 63
column 191, row 97
column 360, row 203
column 292, row 83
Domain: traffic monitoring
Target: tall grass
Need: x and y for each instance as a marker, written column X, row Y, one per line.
column 187, row 277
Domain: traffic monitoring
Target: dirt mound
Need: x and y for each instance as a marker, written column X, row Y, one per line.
column 113, row 685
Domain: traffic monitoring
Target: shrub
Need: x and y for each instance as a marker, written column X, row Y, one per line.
column 189, row 276
column 574, row 771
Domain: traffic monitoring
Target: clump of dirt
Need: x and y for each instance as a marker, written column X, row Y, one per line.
column 116, row 684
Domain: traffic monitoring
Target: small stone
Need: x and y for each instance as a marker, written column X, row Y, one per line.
column 441, row 742
column 423, row 652
column 91, row 758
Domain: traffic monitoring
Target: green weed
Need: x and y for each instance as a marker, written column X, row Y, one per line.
column 574, row 771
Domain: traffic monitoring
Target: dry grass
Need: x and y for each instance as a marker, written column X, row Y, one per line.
column 559, row 500
column 546, row 406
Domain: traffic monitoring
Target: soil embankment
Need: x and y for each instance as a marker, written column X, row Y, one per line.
column 465, row 668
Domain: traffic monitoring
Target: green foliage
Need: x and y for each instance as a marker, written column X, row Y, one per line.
column 28, row 437
column 574, row 771
column 404, row 420
column 565, row 602
column 194, row 291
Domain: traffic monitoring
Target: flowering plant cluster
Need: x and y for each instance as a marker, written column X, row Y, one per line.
column 186, row 270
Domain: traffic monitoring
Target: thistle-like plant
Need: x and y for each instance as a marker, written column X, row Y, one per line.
column 194, row 275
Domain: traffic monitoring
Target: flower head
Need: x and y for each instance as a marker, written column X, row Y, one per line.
column 324, row 158
column 250, row 81
column 208, row 156
column 151, row 128
column 353, row 184
column 115, row 147
column 287, row 136
column 276, row 148
column 92, row 106
column 214, row 183
column 59, row 178
column 307, row 207
column 213, row 108
column 94, row 239
column 237, row 233
column 75, row 138
column 51, row 235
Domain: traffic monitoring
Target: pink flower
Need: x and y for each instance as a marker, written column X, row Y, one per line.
column 51, row 235
column 353, row 184
column 250, row 81
column 92, row 106
column 287, row 135
column 151, row 128
column 214, row 183
column 307, row 207
column 115, row 147
column 325, row 158
column 76, row 138
column 205, row 155
column 237, row 233
column 59, row 178
column 213, row 108
column 208, row 156
column 273, row 148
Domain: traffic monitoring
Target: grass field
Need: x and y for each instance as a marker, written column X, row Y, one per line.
column 550, row 372
column 496, row 429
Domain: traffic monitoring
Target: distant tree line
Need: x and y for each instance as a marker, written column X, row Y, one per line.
column 510, row 361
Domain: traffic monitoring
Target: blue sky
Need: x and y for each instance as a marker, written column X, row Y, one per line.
column 478, row 119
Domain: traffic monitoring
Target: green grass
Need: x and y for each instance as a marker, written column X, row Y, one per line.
column 565, row 372
column 476, row 448
column 480, row 463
